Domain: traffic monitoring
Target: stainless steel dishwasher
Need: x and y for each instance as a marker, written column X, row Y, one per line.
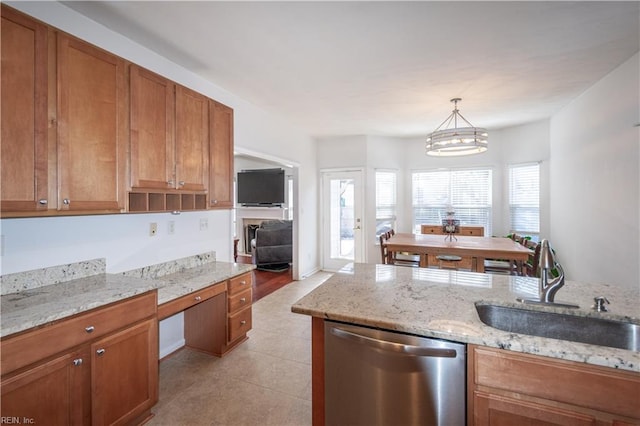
column 376, row 377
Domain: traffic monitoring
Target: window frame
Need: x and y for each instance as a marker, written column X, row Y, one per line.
column 511, row 205
column 391, row 207
column 463, row 211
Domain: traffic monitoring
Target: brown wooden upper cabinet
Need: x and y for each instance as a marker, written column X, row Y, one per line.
column 91, row 127
column 24, row 114
column 65, row 127
column 221, row 156
column 63, row 122
column 169, row 134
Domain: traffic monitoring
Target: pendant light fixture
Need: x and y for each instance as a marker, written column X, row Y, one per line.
column 447, row 141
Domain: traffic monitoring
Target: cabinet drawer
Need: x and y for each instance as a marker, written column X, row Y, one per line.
column 239, row 301
column 239, row 324
column 240, row 283
column 178, row 305
column 589, row 386
column 465, row 263
column 32, row 346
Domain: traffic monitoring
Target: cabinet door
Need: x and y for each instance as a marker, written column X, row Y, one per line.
column 91, row 127
column 221, row 156
column 495, row 410
column 54, row 393
column 23, row 114
column 152, row 130
column 192, row 140
column 124, row 374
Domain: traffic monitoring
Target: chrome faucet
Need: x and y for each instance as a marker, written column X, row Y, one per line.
column 548, row 286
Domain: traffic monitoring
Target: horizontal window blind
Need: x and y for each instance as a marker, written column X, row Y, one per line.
column 468, row 191
column 524, row 198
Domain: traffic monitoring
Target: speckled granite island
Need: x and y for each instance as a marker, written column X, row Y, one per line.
column 441, row 304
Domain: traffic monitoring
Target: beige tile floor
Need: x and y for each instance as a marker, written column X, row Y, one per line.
column 264, row 381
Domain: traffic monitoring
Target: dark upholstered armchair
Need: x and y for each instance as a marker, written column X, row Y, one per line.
column 272, row 245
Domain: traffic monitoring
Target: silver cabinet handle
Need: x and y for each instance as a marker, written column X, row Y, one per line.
column 77, row 362
column 89, row 329
column 198, row 298
column 43, row 202
column 243, row 282
column 170, row 182
column 100, row 352
column 181, row 183
column 243, row 299
column 66, row 201
column 243, row 322
column 214, row 201
column 394, row 347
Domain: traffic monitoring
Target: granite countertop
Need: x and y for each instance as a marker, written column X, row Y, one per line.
column 178, row 284
column 33, row 307
column 440, row 303
column 42, row 305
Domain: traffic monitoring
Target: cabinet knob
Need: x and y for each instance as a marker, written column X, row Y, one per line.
column 198, row 298
column 43, row 202
column 170, row 182
column 89, row 329
column 66, row 201
column 243, row 282
column 77, row 362
column 243, row 322
column 214, row 201
column 243, row 299
column 181, row 183
column 100, row 352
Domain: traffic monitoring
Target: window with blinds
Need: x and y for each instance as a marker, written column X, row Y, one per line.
column 524, row 198
column 385, row 201
column 468, row 191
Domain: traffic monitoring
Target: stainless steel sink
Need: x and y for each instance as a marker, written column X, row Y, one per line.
column 594, row 331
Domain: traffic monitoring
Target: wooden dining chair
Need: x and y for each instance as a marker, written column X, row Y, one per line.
column 531, row 266
column 383, row 248
column 401, row 258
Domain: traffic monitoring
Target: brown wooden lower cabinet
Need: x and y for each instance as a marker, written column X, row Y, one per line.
column 124, row 374
column 53, row 392
column 107, row 375
column 509, row 388
column 239, row 309
column 217, row 317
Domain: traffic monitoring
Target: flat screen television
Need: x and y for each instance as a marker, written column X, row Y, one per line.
column 261, row 187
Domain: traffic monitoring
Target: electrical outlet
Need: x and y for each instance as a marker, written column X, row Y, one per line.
column 204, row 224
column 172, row 227
column 153, row 229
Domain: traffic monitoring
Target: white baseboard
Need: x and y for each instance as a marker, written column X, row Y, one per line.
column 174, row 346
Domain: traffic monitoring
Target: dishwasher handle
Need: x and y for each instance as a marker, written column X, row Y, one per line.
column 394, row 347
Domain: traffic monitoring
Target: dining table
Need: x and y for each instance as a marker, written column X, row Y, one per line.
column 477, row 249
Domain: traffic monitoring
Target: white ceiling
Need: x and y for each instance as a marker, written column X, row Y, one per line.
column 387, row 68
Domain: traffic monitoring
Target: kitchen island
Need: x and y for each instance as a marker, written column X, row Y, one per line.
column 441, row 304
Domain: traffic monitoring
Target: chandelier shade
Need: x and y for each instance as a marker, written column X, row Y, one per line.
column 447, row 141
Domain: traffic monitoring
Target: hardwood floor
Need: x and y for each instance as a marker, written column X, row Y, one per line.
column 265, row 282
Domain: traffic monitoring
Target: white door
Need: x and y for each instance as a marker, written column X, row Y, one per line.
column 342, row 218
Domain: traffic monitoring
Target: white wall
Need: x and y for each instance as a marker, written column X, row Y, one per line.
column 595, row 180
column 123, row 239
column 515, row 145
